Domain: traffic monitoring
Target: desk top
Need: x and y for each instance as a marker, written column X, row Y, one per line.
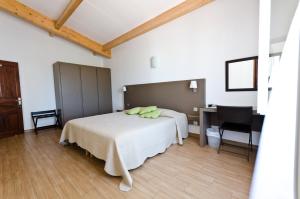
column 208, row 109
column 214, row 109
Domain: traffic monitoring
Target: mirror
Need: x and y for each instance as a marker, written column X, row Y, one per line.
column 241, row 74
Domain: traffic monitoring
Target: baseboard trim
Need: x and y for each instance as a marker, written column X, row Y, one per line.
column 194, row 135
column 40, row 129
column 29, row 131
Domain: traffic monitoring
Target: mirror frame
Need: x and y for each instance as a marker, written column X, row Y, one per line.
column 254, row 88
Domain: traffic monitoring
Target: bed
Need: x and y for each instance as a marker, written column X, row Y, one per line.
column 126, row 141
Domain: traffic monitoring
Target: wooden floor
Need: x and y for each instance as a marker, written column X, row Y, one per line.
column 38, row 167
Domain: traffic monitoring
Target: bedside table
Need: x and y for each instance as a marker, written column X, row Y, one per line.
column 193, row 119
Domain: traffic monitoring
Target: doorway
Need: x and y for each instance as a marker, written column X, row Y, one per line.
column 11, row 118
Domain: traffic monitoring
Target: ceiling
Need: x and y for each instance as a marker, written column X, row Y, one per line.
column 104, row 20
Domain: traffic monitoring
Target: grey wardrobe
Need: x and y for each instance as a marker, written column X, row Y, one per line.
column 81, row 91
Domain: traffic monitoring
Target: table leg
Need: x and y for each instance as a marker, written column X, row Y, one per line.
column 204, row 124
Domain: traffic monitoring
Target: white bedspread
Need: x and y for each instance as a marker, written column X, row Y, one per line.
column 124, row 141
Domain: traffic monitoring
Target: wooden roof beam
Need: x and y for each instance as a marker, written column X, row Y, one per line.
column 169, row 15
column 22, row 11
column 72, row 6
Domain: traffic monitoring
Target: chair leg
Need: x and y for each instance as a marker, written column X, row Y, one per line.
column 251, row 141
column 35, row 126
column 221, row 139
column 249, row 145
column 56, row 121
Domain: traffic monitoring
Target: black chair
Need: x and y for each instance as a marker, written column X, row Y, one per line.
column 235, row 119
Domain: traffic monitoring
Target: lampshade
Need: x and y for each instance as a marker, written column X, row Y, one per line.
column 124, row 89
column 193, row 84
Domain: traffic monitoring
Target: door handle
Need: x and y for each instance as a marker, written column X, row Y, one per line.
column 19, row 100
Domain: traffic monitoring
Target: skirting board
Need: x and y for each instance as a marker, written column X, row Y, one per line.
column 194, row 135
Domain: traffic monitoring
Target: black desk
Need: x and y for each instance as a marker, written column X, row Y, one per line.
column 208, row 117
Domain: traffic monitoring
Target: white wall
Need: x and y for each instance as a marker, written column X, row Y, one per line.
column 36, row 51
column 282, row 13
column 275, row 173
column 194, row 46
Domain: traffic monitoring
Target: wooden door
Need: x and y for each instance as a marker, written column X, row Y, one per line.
column 11, row 118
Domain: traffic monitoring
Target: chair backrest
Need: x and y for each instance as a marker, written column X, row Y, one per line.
column 235, row 114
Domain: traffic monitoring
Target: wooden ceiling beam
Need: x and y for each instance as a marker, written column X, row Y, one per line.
column 72, row 6
column 22, row 11
column 169, row 15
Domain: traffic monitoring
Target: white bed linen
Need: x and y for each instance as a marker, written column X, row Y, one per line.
column 124, row 141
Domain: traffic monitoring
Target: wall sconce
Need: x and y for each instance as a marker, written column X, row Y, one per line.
column 154, row 62
column 193, row 85
column 124, row 89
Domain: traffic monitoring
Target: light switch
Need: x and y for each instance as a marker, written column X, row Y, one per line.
column 195, row 109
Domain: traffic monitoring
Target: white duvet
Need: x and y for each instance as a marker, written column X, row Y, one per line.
column 125, row 141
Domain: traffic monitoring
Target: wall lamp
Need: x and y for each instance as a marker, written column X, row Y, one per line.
column 193, row 85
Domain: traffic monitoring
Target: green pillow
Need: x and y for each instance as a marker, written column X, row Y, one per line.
column 153, row 115
column 134, row 111
column 147, row 109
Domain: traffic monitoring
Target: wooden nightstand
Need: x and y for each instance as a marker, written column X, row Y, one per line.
column 192, row 119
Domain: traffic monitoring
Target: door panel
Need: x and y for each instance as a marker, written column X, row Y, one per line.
column 104, row 86
column 71, row 91
column 89, row 91
column 9, row 77
column 2, row 124
column 11, row 119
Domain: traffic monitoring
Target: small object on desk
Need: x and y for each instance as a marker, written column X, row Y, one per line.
column 211, row 105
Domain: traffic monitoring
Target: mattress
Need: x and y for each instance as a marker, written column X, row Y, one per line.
column 126, row 141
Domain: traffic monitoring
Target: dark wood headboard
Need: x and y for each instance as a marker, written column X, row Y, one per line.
column 176, row 95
